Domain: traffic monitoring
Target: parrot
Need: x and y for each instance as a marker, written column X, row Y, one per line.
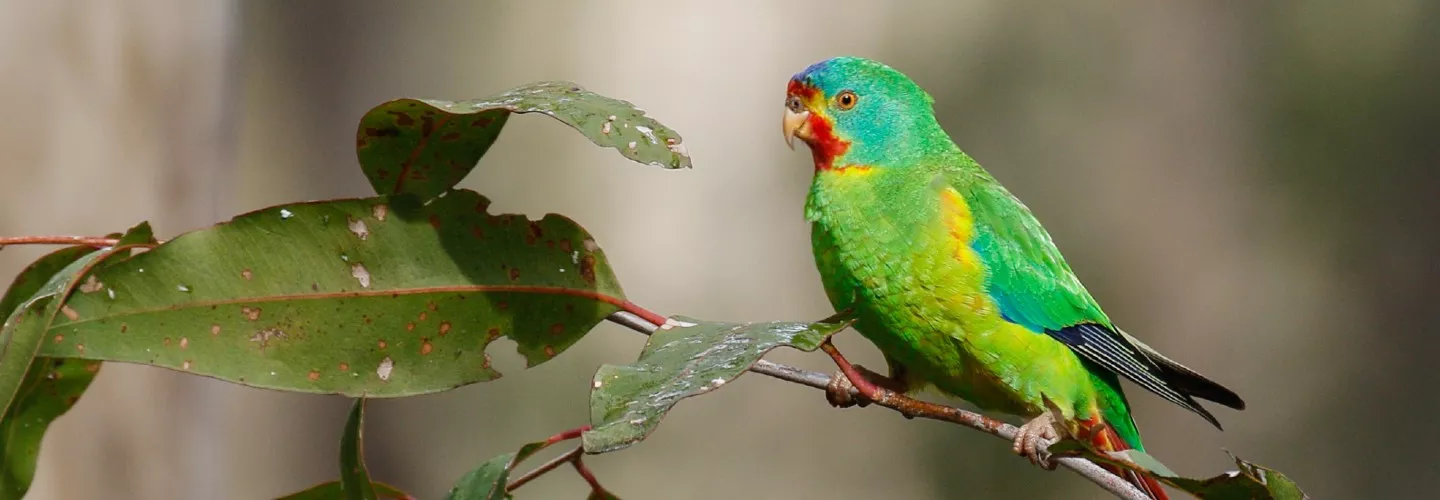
column 953, row 278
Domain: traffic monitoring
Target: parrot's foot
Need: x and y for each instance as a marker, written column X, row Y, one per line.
column 838, row 392
column 1033, row 439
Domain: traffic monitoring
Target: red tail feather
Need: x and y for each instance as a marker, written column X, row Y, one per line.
column 1103, row 437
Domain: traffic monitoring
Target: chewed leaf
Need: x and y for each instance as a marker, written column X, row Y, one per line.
column 141, row 234
column 1250, row 481
column 425, row 147
column 682, row 359
column 376, row 297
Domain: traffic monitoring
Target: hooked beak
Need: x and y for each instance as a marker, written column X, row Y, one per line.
column 796, row 124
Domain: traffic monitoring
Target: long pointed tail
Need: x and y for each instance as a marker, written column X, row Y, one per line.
column 1104, row 438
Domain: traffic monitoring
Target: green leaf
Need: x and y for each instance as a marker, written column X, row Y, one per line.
column 333, row 491
column 1249, row 482
column 683, row 359
column 26, row 326
column 378, row 297
column 486, row 482
column 36, row 391
column 34, row 276
column 49, row 388
column 354, row 479
column 425, row 147
column 141, row 234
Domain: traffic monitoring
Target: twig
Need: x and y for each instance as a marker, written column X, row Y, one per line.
column 911, row 407
column 57, row 240
column 572, row 456
column 596, row 490
column 567, row 435
column 569, row 456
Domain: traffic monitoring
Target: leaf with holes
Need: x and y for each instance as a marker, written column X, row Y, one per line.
column 354, row 479
column 683, row 358
column 376, row 297
column 1250, row 481
column 141, row 235
column 425, row 147
column 333, row 491
column 49, row 388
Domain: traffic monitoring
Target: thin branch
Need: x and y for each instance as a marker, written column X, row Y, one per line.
column 596, row 491
column 569, row 456
column 911, row 407
column 567, row 435
column 58, row 240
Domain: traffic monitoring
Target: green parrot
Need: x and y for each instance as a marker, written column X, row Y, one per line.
column 953, row 278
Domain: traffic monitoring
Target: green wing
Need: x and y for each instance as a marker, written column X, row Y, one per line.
column 1033, row 286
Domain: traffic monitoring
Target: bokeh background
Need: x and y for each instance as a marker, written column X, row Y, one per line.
column 1252, row 187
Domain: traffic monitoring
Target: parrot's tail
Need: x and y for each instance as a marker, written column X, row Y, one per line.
column 1104, row 438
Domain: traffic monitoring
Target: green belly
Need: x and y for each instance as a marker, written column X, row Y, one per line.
column 924, row 309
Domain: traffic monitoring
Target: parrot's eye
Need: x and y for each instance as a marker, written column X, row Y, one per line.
column 846, row 99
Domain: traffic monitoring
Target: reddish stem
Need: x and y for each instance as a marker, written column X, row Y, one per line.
column 569, row 456
column 93, row 241
column 862, row 384
column 644, row 313
column 580, row 468
column 567, row 435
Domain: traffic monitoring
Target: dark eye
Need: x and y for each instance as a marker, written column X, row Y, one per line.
column 846, row 99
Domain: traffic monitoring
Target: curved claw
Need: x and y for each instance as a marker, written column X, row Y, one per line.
column 840, row 392
column 1033, row 440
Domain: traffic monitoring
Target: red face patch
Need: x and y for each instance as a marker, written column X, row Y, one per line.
column 825, row 146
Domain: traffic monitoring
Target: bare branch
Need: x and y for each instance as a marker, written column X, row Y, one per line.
column 57, row 240
column 911, row 407
column 569, row 456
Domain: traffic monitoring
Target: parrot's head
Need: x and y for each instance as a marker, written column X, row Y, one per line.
column 855, row 111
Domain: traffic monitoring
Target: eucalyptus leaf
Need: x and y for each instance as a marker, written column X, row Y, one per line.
column 683, row 358
column 486, row 482
column 374, row 297
column 354, row 478
column 425, row 146
column 49, row 388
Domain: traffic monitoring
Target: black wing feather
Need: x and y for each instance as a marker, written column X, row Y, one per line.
column 1164, row 377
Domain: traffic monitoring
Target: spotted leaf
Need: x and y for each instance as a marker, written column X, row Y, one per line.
column 425, row 147
column 683, row 358
column 375, row 297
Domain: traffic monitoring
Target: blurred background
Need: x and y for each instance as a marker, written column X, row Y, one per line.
column 1251, row 187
